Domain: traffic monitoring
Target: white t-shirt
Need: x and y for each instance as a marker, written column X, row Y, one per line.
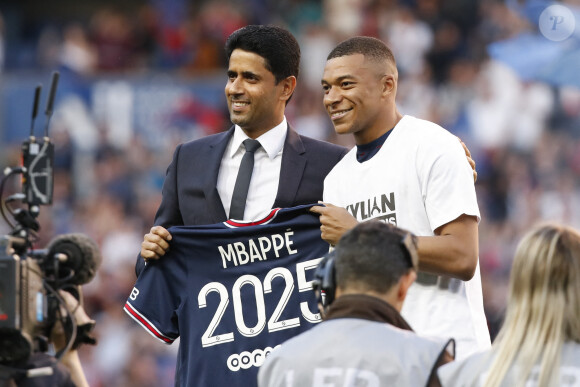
column 419, row 180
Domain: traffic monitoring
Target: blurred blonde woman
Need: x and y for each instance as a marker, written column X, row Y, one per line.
column 539, row 343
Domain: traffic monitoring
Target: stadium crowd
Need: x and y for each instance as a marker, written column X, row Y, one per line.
column 523, row 133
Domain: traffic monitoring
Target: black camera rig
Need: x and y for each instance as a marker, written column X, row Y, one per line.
column 30, row 279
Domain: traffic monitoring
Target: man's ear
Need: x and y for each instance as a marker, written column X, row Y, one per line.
column 288, row 85
column 389, row 83
column 405, row 283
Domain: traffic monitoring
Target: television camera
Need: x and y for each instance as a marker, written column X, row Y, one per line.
column 30, row 279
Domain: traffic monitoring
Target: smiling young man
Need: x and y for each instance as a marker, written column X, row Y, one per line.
column 411, row 173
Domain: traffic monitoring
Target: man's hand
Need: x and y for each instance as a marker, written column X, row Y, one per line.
column 58, row 335
column 469, row 159
column 70, row 359
column 335, row 221
column 156, row 243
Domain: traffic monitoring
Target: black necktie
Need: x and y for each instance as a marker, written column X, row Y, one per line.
column 243, row 180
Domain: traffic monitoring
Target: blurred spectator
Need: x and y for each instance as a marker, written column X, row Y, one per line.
column 409, row 39
column 315, row 43
column 362, row 286
column 497, row 90
column 77, row 54
column 448, row 45
column 566, row 114
column 539, row 342
column 114, row 40
column 344, row 17
column 418, row 97
column 2, row 43
column 146, row 36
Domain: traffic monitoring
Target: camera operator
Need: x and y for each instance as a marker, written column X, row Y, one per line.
column 363, row 282
column 45, row 370
column 40, row 293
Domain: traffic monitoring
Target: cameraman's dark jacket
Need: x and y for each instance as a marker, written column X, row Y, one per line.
column 60, row 375
column 354, row 344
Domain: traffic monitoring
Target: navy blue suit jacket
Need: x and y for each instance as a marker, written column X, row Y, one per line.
column 190, row 195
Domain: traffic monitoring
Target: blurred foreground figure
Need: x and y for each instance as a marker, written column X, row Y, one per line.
column 539, row 343
column 364, row 340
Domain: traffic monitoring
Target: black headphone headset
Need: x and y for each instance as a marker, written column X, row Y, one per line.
column 324, row 282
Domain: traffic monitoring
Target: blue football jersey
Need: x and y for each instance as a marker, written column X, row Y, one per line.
column 231, row 292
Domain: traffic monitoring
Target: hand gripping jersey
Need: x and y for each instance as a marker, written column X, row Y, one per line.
column 231, row 292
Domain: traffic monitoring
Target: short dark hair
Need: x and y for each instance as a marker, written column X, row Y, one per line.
column 373, row 256
column 370, row 47
column 276, row 45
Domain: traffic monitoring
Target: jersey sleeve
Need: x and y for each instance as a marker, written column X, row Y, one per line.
column 447, row 182
column 157, row 296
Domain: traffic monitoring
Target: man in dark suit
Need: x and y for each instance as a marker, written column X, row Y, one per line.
column 289, row 170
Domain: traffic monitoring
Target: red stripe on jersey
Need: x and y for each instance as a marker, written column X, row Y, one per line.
column 264, row 220
column 137, row 316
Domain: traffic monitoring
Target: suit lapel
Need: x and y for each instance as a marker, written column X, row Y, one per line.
column 215, row 151
column 292, row 169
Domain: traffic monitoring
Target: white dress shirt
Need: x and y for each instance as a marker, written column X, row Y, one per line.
column 266, row 173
